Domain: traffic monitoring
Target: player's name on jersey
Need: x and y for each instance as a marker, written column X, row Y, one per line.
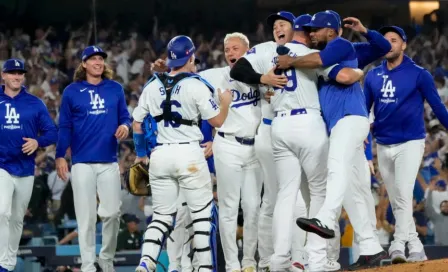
column 244, row 99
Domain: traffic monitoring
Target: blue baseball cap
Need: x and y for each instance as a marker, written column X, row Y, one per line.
column 324, row 19
column 91, row 51
column 180, row 49
column 14, row 65
column 301, row 21
column 337, row 16
column 394, row 29
column 281, row 15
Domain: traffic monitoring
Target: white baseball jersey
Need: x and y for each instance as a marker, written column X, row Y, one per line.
column 191, row 100
column 263, row 57
column 244, row 113
column 301, row 90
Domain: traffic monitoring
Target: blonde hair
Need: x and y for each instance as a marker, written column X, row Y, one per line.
column 237, row 35
column 80, row 73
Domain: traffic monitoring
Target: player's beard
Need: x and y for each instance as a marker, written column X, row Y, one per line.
column 319, row 45
column 393, row 57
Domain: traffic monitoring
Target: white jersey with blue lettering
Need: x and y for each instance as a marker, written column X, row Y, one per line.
column 263, row 57
column 244, row 115
column 191, row 100
column 301, row 90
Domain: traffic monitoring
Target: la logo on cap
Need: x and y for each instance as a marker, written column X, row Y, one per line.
column 16, row 63
column 173, row 56
column 314, row 17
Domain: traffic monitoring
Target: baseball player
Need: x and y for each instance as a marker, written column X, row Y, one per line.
column 375, row 47
column 233, row 148
column 397, row 88
column 248, row 70
column 178, row 246
column 238, row 172
column 177, row 101
column 93, row 116
column 300, row 141
column 346, row 151
column 25, row 126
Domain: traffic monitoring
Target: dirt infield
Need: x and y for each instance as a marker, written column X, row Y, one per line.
column 428, row 266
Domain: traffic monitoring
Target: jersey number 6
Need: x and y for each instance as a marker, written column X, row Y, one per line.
column 292, row 80
column 174, row 114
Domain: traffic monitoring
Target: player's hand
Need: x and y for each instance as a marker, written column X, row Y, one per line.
column 29, row 146
column 208, row 151
column 144, row 159
column 355, row 25
column 268, row 94
column 159, row 66
column 122, row 132
column 366, row 142
column 62, row 168
column 284, row 61
column 274, row 80
column 371, row 167
column 225, row 97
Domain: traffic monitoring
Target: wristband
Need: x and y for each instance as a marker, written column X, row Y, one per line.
column 140, row 144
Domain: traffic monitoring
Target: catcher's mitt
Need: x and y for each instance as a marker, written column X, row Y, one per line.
column 137, row 180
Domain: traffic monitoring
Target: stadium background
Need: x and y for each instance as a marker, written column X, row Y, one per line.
column 49, row 35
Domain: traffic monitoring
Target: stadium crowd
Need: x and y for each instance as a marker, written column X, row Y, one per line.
column 51, row 61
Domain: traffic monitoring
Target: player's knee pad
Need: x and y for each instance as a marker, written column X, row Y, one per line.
column 156, row 234
column 205, row 225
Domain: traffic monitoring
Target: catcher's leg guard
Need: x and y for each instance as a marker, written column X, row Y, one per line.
column 205, row 226
column 155, row 237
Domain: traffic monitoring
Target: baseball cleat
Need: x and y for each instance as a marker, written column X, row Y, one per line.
column 143, row 267
column 332, row 266
column 397, row 257
column 417, row 257
column 368, row 261
column 249, row 269
column 315, row 226
column 297, row 267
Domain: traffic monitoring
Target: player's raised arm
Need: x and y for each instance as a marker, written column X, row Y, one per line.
column 375, row 47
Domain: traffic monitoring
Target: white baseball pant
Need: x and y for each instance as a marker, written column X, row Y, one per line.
column 174, row 169
column 300, row 143
column 15, row 196
column 237, row 174
column 398, row 165
column 365, row 190
column 178, row 247
column 346, row 169
column 264, row 153
column 88, row 180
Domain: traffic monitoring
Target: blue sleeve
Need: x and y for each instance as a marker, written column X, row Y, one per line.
column 47, row 129
column 426, row 85
column 420, row 219
column 334, row 72
column 65, row 126
column 336, row 51
column 376, row 47
column 368, row 92
column 368, row 150
column 207, row 131
column 123, row 114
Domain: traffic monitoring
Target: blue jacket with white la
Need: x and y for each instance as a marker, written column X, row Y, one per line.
column 398, row 97
column 88, row 119
column 338, row 100
column 24, row 116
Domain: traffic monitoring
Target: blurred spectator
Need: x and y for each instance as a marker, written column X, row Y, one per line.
column 130, row 238
column 439, row 219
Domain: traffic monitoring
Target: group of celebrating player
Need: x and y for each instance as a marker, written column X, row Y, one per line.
column 288, row 118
